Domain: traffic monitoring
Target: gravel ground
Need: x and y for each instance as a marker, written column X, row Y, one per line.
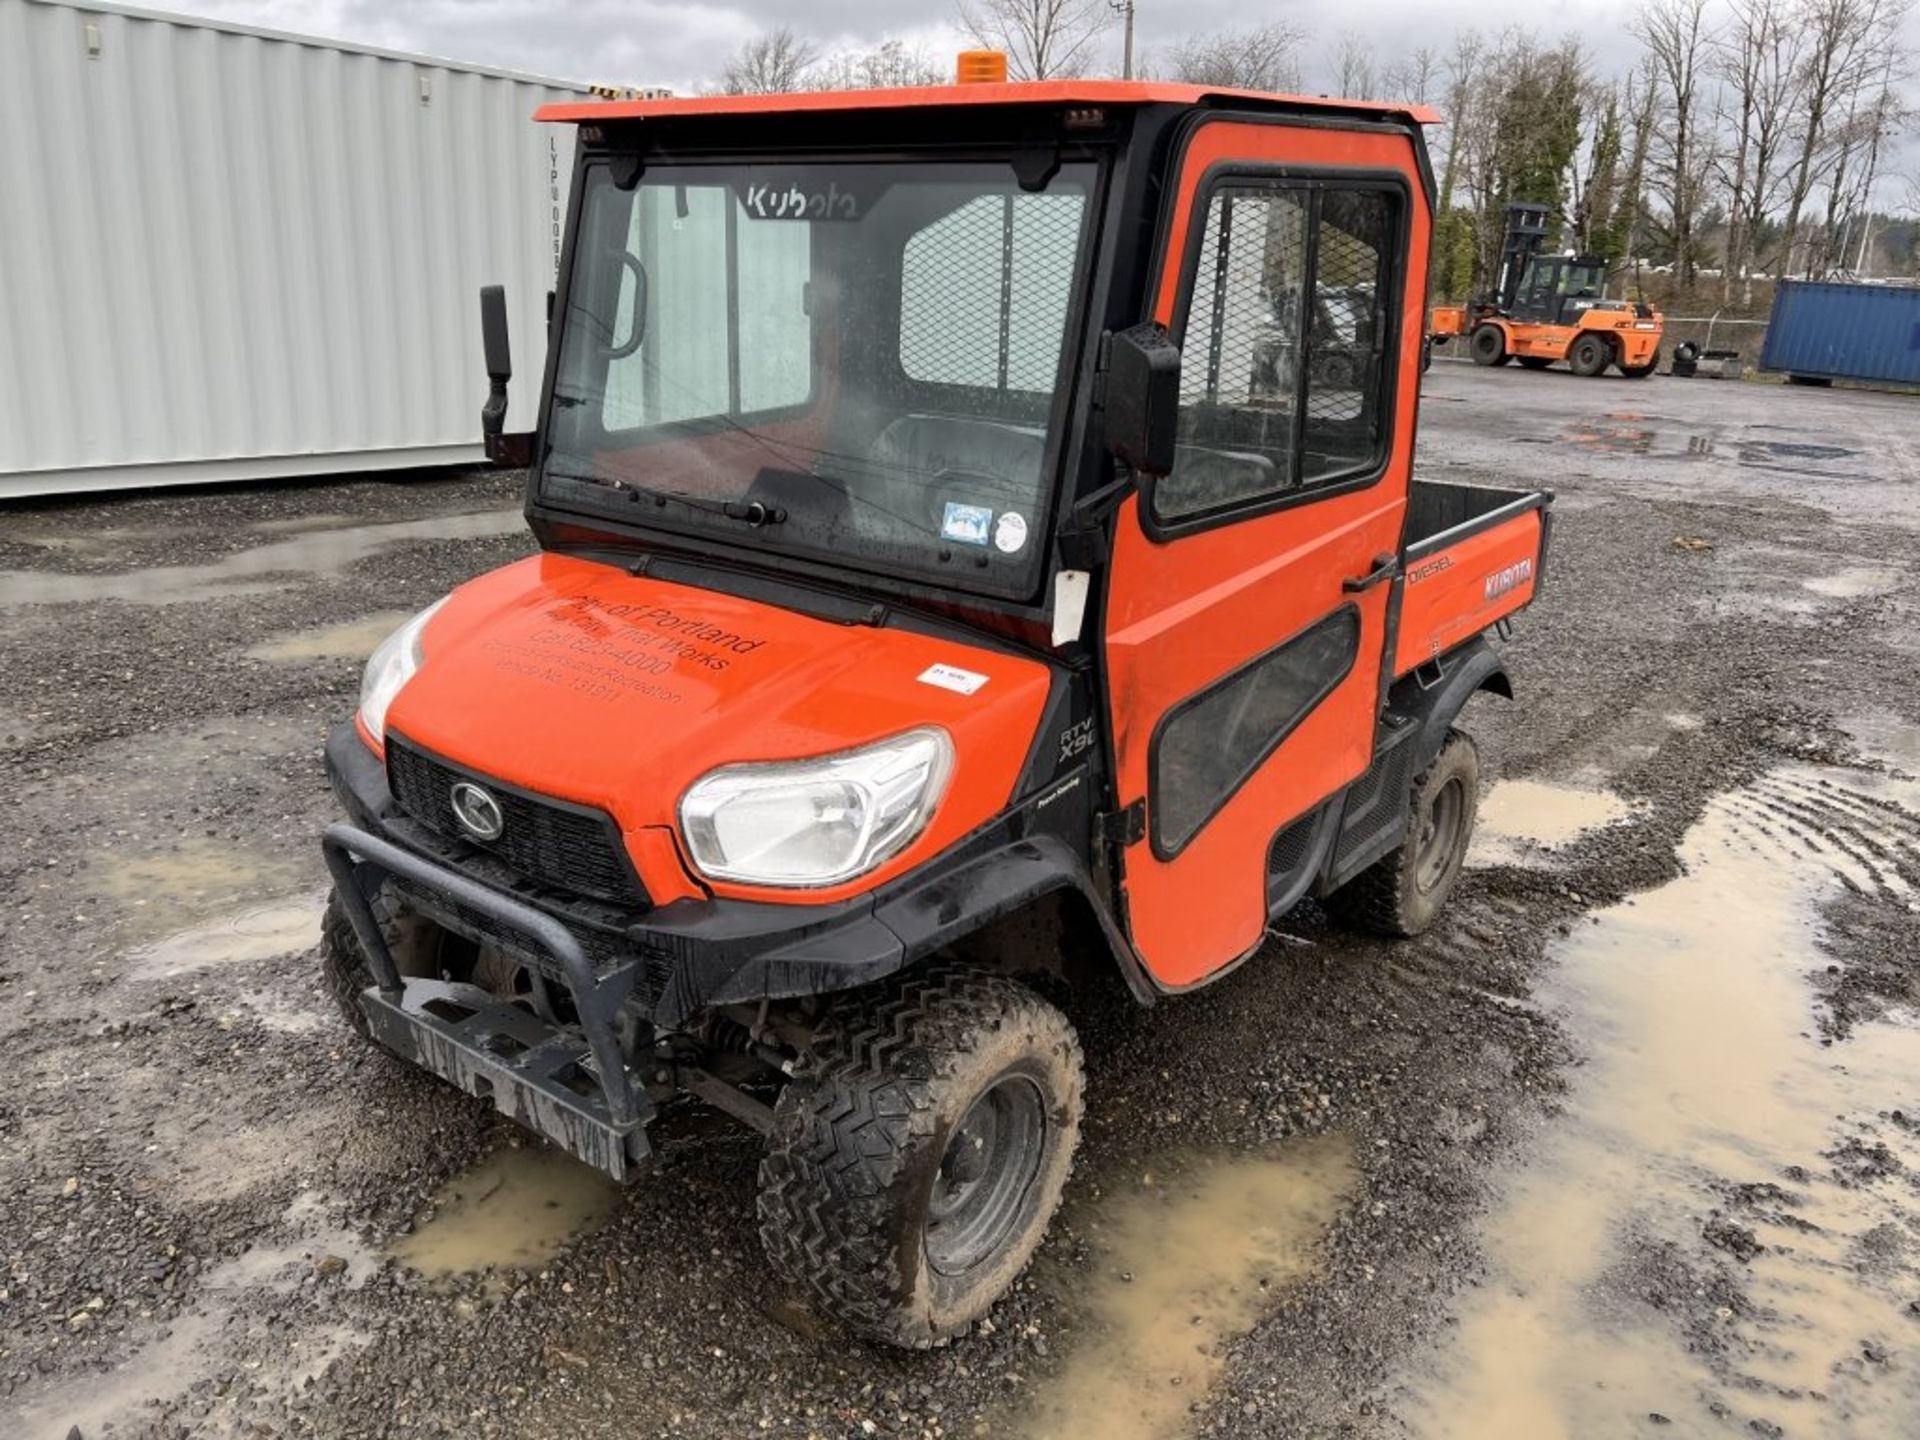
column 201, row 1175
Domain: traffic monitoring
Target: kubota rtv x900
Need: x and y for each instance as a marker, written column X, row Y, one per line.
column 977, row 547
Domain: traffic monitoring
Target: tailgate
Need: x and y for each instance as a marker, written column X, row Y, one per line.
column 1474, row 556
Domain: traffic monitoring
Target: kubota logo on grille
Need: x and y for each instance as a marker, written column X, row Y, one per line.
column 477, row 811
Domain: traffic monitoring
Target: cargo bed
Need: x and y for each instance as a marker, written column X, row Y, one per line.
column 1472, row 556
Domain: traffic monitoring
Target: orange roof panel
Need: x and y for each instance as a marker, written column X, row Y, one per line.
column 1040, row 92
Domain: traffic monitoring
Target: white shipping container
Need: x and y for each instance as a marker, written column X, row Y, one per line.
column 228, row 253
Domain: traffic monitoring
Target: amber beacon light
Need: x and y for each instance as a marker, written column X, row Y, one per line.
column 980, row 67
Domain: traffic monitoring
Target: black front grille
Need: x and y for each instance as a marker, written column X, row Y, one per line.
column 571, row 847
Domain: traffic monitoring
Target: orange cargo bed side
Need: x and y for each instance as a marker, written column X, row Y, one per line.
column 1473, row 556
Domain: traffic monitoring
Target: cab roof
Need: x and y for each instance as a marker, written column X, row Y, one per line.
column 922, row 97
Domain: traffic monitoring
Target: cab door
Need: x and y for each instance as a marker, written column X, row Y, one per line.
column 1246, row 615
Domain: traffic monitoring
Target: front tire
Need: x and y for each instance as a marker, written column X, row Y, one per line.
column 1489, row 345
column 918, row 1156
column 412, row 940
column 1402, row 893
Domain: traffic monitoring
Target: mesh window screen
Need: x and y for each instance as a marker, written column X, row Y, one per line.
column 1208, row 747
column 1346, row 345
column 984, row 292
column 1250, row 328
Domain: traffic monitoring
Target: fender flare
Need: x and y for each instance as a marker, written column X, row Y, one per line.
column 1464, row 672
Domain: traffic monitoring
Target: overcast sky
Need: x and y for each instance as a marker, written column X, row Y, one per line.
column 680, row 43
column 684, row 43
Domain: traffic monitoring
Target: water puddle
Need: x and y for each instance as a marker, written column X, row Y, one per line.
column 1617, row 435
column 1187, row 1261
column 1712, row 1236
column 250, row 572
column 1854, row 583
column 1520, row 821
column 225, row 1320
column 1887, row 738
column 513, row 1210
column 167, row 890
column 352, row 640
column 260, row 932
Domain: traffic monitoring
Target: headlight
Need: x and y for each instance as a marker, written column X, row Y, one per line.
column 390, row 667
column 816, row 822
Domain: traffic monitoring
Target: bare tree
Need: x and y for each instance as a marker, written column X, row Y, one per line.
column 1354, row 75
column 890, row 65
column 1844, row 39
column 776, row 63
column 1043, row 39
column 1758, row 58
column 1413, row 76
column 1678, row 40
column 1263, row 58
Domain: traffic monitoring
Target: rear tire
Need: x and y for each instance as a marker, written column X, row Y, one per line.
column 1533, row 362
column 1489, row 345
column 1402, row 893
column 1589, row 355
column 918, row 1156
column 412, row 940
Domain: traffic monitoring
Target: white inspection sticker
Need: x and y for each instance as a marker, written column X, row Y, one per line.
column 952, row 677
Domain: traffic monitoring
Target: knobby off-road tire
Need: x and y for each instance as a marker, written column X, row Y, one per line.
column 920, row 1152
column 1489, row 346
column 412, row 940
column 1402, row 893
column 1589, row 355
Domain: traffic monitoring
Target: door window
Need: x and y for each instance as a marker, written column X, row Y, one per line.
column 1284, row 353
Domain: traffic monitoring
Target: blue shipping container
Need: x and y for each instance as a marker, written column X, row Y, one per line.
column 1845, row 332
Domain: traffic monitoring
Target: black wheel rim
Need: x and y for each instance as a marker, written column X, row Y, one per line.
column 982, row 1189
column 1440, row 835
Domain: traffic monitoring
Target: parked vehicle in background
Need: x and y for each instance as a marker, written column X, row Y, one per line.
column 1548, row 308
column 940, row 606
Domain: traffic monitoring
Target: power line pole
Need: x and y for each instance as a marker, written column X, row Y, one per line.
column 1124, row 8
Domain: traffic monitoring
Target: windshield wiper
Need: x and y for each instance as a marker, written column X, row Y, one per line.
column 756, row 513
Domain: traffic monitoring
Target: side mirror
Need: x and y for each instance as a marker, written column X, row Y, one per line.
column 1143, row 398
column 493, row 341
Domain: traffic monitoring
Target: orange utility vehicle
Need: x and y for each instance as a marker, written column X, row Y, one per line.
column 963, row 575
column 1551, row 307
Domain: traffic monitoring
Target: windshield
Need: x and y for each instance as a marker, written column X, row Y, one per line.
column 851, row 362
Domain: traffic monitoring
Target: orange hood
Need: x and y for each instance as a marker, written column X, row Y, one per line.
column 578, row 680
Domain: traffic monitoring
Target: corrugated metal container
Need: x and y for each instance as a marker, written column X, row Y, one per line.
column 228, row 253
column 1830, row 331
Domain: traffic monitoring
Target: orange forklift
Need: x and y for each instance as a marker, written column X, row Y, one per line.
column 1551, row 307
column 965, row 576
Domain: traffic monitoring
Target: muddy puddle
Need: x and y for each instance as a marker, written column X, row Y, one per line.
column 258, row 571
column 259, row 932
column 1521, row 822
column 1186, row 1262
column 351, row 640
column 1718, row 1233
column 512, row 1211
column 199, row 880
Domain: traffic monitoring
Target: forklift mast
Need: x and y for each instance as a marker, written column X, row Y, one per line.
column 1526, row 233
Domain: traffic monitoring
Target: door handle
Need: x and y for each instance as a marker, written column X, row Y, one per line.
column 1384, row 568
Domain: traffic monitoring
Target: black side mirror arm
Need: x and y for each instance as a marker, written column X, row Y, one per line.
column 502, row 449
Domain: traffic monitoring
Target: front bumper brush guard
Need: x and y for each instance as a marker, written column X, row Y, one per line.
column 570, row 1085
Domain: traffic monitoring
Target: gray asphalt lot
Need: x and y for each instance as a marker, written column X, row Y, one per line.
column 1626, row 1145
